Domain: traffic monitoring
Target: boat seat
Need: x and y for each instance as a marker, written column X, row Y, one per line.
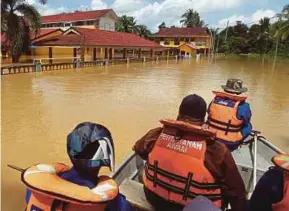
column 134, row 193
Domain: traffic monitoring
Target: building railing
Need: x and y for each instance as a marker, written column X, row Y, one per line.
column 38, row 67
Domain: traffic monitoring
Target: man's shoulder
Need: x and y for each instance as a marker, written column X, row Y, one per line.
column 217, row 148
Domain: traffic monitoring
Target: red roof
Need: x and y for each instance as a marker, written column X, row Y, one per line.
column 96, row 37
column 43, row 32
column 76, row 16
column 181, row 32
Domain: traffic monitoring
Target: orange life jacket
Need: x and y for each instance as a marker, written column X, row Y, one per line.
column 223, row 119
column 175, row 168
column 282, row 161
column 52, row 193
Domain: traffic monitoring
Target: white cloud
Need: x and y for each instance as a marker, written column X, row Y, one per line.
column 98, row 4
column 46, row 10
column 127, row 6
column 31, row 1
column 153, row 13
column 258, row 15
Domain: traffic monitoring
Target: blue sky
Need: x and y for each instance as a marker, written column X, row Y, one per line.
column 216, row 13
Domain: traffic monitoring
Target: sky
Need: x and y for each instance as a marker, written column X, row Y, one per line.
column 215, row 13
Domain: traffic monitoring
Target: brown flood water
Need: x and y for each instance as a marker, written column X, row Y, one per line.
column 39, row 110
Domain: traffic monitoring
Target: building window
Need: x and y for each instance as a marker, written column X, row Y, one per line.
column 67, row 24
column 182, row 39
column 187, row 39
column 162, row 39
column 176, row 41
column 43, row 26
column 106, row 26
column 193, row 39
column 79, row 23
column 90, row 22
column 166, row 42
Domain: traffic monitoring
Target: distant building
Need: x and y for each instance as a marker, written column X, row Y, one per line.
column 184, row 41
column 99, row 19
column 90, row 35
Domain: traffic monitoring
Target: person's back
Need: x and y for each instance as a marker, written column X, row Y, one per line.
column 184, row 161
column 272, row 190
column 229, row 114
column 55, row 186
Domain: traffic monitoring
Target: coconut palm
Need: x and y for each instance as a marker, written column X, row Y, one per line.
column 192, row 18
column 18, row 18
column 162, row 25
column 143, row 31
column 284, row 25
column 126, row 24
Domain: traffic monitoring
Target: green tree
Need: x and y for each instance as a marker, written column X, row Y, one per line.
column 283, row 31
column 192, row 18
column 162, row 25
column 143, row 31
column 18, row 18
column 126, row 24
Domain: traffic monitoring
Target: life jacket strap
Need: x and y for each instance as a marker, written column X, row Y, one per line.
column 238, row 126
column 185, row 193
column 229, row 127
column 181, row 179
column 187, row 188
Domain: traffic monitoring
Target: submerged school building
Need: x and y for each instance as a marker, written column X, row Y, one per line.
column 88, row 35
column 184, row 41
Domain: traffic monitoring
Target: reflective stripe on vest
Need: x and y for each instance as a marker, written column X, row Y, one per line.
column 51, row 192
column 283, row 205
column 281, row 161
column 223, row 119
column 175, row 168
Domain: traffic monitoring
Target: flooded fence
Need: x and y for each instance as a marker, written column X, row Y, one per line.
column 38, row 67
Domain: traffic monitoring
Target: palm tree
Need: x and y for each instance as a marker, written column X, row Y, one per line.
column 17, row 19
column 162, row 25
column 280, row 29
column 143, row 31
column 192, row 18
column 126, row 24
column 284, row 25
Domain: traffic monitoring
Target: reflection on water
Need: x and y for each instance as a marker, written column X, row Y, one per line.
column 39, row 110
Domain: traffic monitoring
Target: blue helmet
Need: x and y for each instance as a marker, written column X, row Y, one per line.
column 90, row 146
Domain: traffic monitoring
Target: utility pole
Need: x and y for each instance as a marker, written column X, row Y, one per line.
column 226, row 32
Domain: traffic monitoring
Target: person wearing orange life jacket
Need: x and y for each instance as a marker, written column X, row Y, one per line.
column 184, row 161
column 272, row 190
column 57, row 187
column 229, row 114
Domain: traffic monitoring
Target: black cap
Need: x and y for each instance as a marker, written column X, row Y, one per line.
column 193, row 106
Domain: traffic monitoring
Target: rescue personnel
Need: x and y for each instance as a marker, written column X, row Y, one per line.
column 272, row 190
column 229, row 114
column 184, row 161
column 57, row 187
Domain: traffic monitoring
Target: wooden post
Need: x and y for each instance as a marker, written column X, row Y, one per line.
column 94, row 54
column 50, row 55
column 82, row 52
column 110, row 53
column 139, row 53
column 124, row 53
column 152, row 53
column 74, row 52
column 105, row 53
